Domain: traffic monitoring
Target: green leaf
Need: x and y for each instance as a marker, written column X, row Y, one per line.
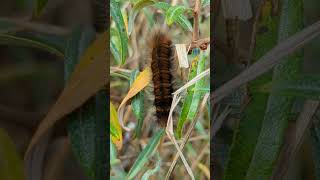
column 53, row 41
column 205, row 3
column 184, row 23
column 307, row 86
column 115, row 128
column 279, row 107
column 173, row 13
column 39, row 6
column 87, row 125
column 115, row 52
column 140, row 4
column 120, row 25
column 11, row 167
column 246, row 135
column 200, row 84
column 6, row 39
column 181, row 20
column 162, row 5
column 137, row 105
column 145, row 155
column 115, row 45
column 188, row 100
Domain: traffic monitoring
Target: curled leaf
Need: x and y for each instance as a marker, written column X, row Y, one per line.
column 115, row 128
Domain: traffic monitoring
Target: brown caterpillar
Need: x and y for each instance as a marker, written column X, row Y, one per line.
column 162, row 55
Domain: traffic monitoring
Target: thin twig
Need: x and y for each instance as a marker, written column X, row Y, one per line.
column 200, row 43
column 197, row 138
column 116, row 69
column 196, row 10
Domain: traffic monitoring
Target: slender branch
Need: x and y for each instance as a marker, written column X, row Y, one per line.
column 195, row 33
column 200, row 43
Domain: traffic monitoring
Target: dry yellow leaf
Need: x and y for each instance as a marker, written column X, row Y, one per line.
column 115, row 128
column 140, row 83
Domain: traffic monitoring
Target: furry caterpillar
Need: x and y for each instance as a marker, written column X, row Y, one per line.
column 162, row 55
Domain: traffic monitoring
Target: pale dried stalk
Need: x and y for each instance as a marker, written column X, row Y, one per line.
column 186, row 137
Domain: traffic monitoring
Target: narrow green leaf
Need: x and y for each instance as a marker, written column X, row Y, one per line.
column 306, row 86
column 39, row 6
column 53, row 41
column 145, row 155
column 173, row 13
column 6, row 39
column 137, row 105
column 162, row 5
column 246, row 135
column 118, row 18
column 153, row 171
column 188, row 100
column 115, row 52
column 115, row 45
column 140, row 4
column 184, row 23
column 87, row 125
column 200, row 84
column 11, row 167
column 181, row 19
column 279, row 107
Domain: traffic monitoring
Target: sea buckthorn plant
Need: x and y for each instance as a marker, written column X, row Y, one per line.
column 265, row 92
column 159, row 89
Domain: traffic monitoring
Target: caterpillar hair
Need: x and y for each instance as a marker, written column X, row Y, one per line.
column 162, row 57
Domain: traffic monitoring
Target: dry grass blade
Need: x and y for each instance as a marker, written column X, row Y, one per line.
column 293, row 143
column 169, row 128
column 169, row 132
column 193, row 81
column 268, row 61
column 188, row 134
column 84, row 83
